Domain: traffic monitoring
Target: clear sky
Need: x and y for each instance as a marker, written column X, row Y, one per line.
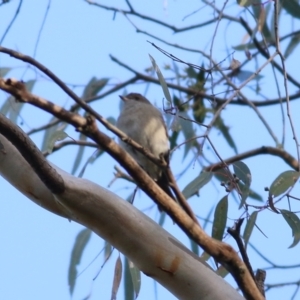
column 75, row 44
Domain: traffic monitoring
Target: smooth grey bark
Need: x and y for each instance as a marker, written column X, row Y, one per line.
column 151, row 248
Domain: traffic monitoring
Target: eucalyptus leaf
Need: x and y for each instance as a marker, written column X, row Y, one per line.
column 60, row 126
column 80, row 152
column 188, row 131
column 244, row 3
column 93, row 87
column 243, row 75
column 294, row 42
column 194, row 247
column 16, row 106
column 80, row 243
column 249, row 227
column 220, row 219
column 292, row 7
column 4, row 71
column 196, row 184
column 222, row 272
column 161, row 80
column 128, row 285
column 136, row 277
column 259, row 13
column 91, row 160
column 6, row 106
column 244, row 193
column 56, row 136
column 242, row 171
column 283, row 182
column 294, row 222
column 225, row 131
column 117, row 278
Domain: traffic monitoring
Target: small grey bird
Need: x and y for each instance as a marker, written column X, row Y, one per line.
column 143, row 123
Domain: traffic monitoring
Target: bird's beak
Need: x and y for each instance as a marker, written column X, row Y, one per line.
column 123, row 98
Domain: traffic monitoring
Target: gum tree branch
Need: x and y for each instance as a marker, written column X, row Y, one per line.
column 222, row 252
column 159, row 255
column 285, row 156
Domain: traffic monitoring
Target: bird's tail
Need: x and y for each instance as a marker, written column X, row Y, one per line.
column 163, row 183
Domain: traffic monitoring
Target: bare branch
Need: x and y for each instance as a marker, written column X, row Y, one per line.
column 32, row 155
column 289, row 159
column 11, row 22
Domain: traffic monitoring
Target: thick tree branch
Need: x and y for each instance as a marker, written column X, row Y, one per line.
column 32, row 155
column 222, row 252
column 154, row 251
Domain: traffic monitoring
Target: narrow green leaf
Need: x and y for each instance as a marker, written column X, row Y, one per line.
column 4, row 71
column 91, row 160
column 187, row 130
column 117, row 278
column 259, row 9
column 294, row 42
column 249, row 46
column 244, row 190
column 205, row 256
column 249, row 227
column 162, row 218
column 161, row 80
column 225, row 131
column 56, row 136
column 80, row 244
column 255, row 196
column 220, row 219
column 30, row 84
column 190, row 72
column 243, row 75
column 60, row 126
column 196, row 184
column 173, row 139
column 93, row 87
column 15, row 110
column 111, row 120
column 199, row 109
column 128, row 285
column 242, row 171
column 16, row 106
column 222, row 272
column 283, row 182
column 194, row 247
column 5, row 108
column 136, row 277
column 294, row 222
column 175, row 124
column 223, row 175
column 244, row 3
column 80, row 152
column 107, row 250
column 292, row 7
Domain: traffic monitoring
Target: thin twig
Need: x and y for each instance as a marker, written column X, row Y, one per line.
column 11, row 22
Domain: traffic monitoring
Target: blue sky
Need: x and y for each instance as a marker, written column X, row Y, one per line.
column 75, row 44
